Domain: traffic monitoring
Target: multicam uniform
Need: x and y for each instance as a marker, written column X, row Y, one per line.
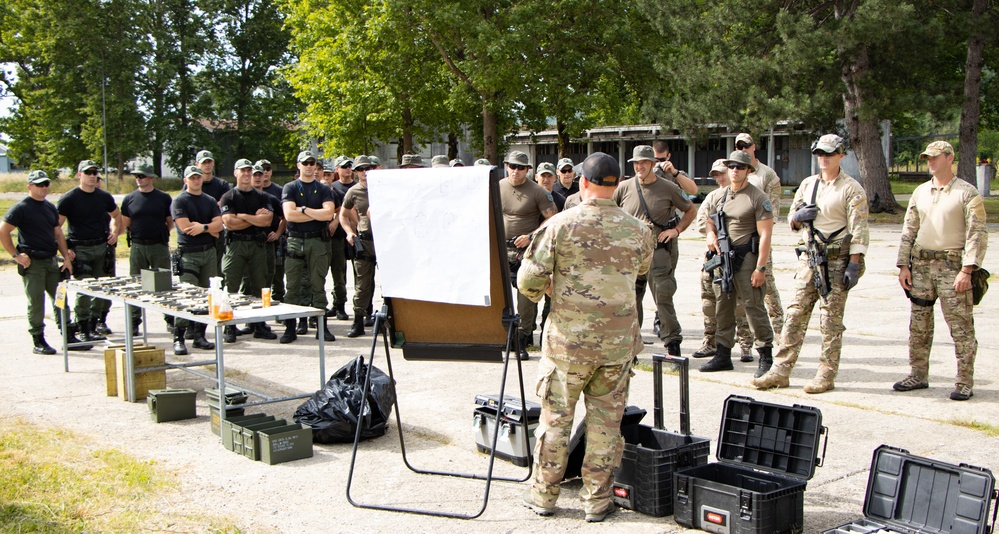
column 592, row 254
column 842, row 207
column 944, row 229
column 364, row 262
column 766, row 180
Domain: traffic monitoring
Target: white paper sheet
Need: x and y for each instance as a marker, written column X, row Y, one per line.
column 431, row 229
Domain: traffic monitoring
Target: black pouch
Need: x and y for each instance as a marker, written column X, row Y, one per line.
column 979, row 284
column 111, row 260
column 20, row 269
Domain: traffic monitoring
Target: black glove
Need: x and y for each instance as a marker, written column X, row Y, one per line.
column 805, row 214
column 851, row 275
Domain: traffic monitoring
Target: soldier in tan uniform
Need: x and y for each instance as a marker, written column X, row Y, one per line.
column 749, row 219
column 525, row 205
column 664, row 169
column 766, row 180
column 708, row 300
column 944, row 238
column 587, row 259
column 835, row 205
column 655, row 201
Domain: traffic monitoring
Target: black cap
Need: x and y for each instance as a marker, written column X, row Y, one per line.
column 601, row 169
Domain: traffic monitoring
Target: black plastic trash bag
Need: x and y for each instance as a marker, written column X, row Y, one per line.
column 333, row 412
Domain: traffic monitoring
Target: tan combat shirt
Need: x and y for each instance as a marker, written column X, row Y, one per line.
column 522, row 206
column 766, row 180
column 661, row 196
column 951, row 217
column 743, row 208
column 842, row 205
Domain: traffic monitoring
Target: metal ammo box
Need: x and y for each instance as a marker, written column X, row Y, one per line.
column 233, row 396
column 248, row 443
column 171, row 404
column 285, row 443
column 907, row 493
column 512, row 444
column 232, row 425
column 767, row 453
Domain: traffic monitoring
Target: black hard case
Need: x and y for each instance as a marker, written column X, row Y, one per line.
column 908, row 494
column 644, row 481
column 767, row 453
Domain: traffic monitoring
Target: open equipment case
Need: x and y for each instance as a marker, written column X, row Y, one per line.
column 909, row 494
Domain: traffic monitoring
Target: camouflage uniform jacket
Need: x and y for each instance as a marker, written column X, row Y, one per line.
column 842, row 204
column 766, row 180
column 592, row 254
column 964, row 216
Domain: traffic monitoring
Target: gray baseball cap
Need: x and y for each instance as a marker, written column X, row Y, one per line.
column 642, row 153
column 87, row 164
column 456, row 162
column 203, row 155
column 261, row 162
column 258, row 169
column 482, row 162
column 741, row 157
column 362, row 161
column 517, row 157
column 342, row 161
column 143, row 169
column 375, row 161
column 718, row 166
column 329, row 166
column 563, row 163
column 745, row 138
column 243, row 163
column 37, row 177
column 412, row 160
column 306, row 155
column 545, row 167
column 438, row 161
column 191, row 170
column 829, row 143
column 601, row 169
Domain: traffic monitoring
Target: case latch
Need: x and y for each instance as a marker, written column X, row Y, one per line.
column 745, row 505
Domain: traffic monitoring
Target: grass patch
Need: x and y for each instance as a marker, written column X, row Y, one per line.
column 989, row 429
column 56, row 481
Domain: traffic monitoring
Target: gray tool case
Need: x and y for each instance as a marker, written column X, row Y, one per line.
column 909, row 494
column 513, row 444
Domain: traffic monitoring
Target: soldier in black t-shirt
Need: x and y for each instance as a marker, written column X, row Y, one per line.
column 145, row 217
column 280, row 244
column 199, row 222
column 338, row 243
column 89, row 236
column 215, row 187
column 39, row 237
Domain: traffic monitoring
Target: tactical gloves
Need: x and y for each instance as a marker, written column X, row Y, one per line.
column 851, row 275
column 805, row 214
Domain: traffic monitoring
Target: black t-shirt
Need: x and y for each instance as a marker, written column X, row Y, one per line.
column 311, row 195
column 36, row 221
column 566, row 192
column 196, row 208
column 86, row 213
column 274, row 190
column 340, row 190
column 148, row 212
column 216, row 187
column 276, row 208
column 559, row 199
column 238, row 201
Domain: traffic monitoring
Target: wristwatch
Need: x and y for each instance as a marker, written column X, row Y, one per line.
column 206, row 227
column 762, row 268
column 303, row 209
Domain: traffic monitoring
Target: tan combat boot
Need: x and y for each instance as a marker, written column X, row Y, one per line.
column 770, row 380
column 820, row 384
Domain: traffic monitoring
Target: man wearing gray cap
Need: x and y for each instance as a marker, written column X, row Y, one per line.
column 482, row 162
column 85, row 207
column 214, row 187
column 588, row 259
column 655, row 201
column 280, row 244
column 545, row 174
column 347, row 171
column 39, row 237
column 766, row 180
column 456, row 162
column 566, row 184
column 749, row 221
column 525, row 206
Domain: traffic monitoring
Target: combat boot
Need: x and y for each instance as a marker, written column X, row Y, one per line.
column 707, row 349
column 722, row 361
column 87, row 332
column 673, row 348
column 71, row 339
column 102, row 325
column 522, row 342
column 262, row 331
column 772, row 379
column 369, row 320
column 325, row 331
column 41, row 347
column 766, row 361
column 341, row 313
column 289, row 332
column 190, row 334
column 819, row 384
column 178, row 340
column 357, row 329
column 313, row 322
column 135, row 327
column 229, row 334
column 747, row 352
column 248, row 329
column 200, row 342
column 303, row 327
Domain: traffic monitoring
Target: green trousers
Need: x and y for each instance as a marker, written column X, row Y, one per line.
column 41, row 277
column 306, row 265
column 90, row 263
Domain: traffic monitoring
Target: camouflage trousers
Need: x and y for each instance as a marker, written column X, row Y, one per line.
column 772, row 300
column 605, row 392
column 799, row 313
column 708, row 302
column 933, row 279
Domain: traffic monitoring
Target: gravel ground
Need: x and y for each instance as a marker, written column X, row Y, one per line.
column 437, row 402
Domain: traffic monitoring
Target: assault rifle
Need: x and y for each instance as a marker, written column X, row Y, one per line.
column 818, row 258
column 726, row 256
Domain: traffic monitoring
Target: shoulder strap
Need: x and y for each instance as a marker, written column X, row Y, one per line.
column 645, row 207
column 825, row 239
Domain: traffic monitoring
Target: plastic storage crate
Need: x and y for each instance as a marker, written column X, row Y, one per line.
column 513, row 444
column 907, row 493
column 644, row 481
column 767, row 453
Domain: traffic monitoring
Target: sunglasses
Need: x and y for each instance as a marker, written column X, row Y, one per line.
column 141, row 176
column 266, row 169
column 737, row 166
column 822, row 153
column 43, row 184
column 309, row 163
column 360, row 169
column 519, row 167
column 566, row 170
column 91, row 172
column 662, row 160
column 346, row 166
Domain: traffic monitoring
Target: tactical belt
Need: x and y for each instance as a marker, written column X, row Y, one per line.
column 925, row 254
column 304, row 235
column 247, row 237
column 191, row 249
column 832, row 253
column 36, row 254
column 87, row 242
column 148, row 241
column 367, row 236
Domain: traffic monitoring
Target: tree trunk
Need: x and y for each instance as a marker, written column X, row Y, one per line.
column 490, row 147
column 563, row 138
column 971, row 108
column 865, row 136
column 452, row 146
column 407, row 131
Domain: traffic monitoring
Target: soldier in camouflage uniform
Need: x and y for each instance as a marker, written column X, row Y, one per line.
column 587, row 258
column 766, row 180
column 944, row 238
column 836, row 206
column 708, row 301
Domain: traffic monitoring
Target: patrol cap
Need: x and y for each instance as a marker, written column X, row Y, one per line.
column 306, row 155
column 87, row 164
column 718, row 166
column 517, row 157
column 261, row 162
column 191, row 170
column 412, row 161
column 375, row 162
column 482, row 162
column 563, row 163
column 936, row 148
column 456, row 162
column 243, row 163
column 343, row 161
column 601, row 169
column 258, row 169
column 143, row 169
column 362, row 163
column 328, row 166
column 545, row 167
column 641, row 153
column 204, row 155
column 740, row 157
column 439, row 161
column 745, row 138
column 830, row 143
column 37, row 177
